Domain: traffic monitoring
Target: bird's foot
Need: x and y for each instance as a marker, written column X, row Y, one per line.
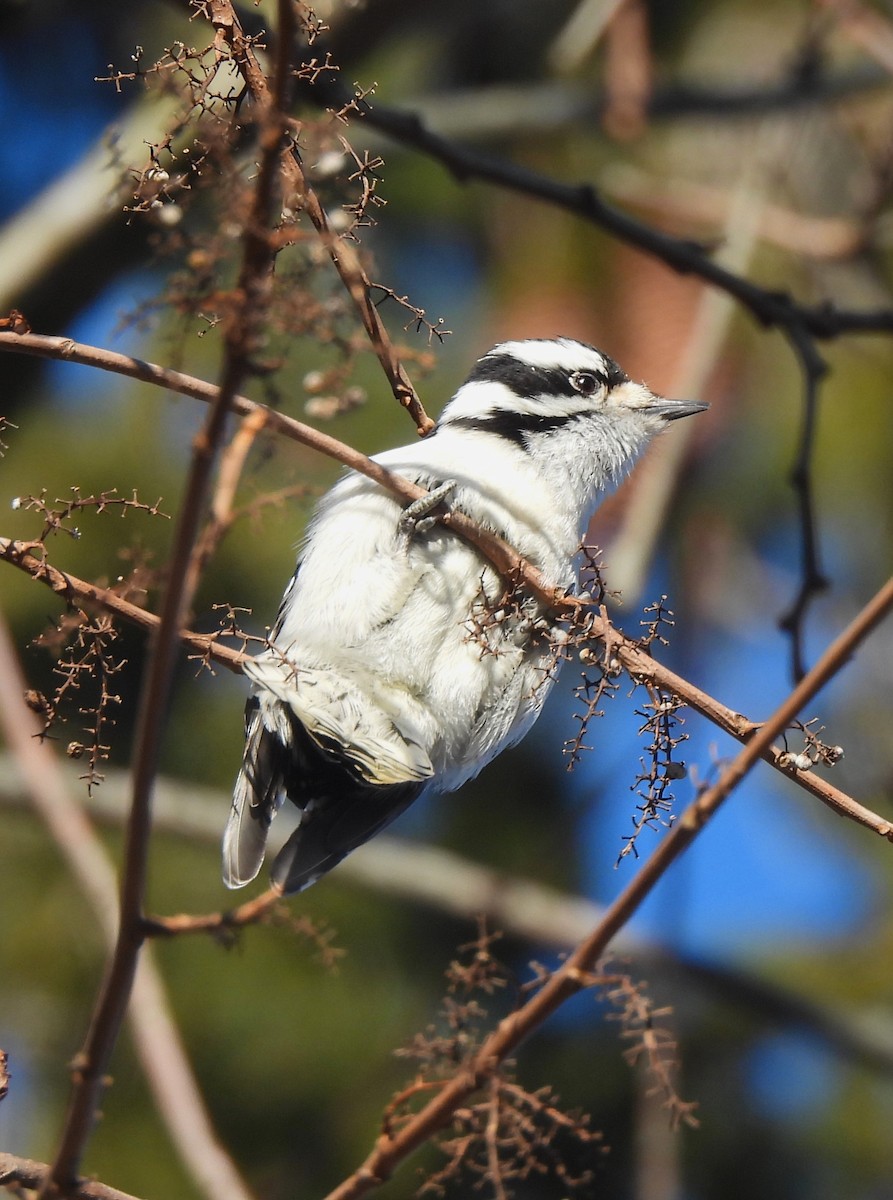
column 416, row 518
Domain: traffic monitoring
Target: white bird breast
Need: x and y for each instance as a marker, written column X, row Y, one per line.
column 408, row 622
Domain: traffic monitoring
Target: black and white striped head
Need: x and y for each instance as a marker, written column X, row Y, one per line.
column 527, row 390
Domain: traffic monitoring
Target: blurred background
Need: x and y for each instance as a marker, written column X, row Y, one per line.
column 762, row 130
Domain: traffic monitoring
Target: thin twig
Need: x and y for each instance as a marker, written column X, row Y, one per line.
column 232, row 463
column 249, row 913
column 769, row 307
column 75, row 590
column 26, row 1173
column 575, row 972
column 813, row 581
column 344, row 257
column 641, row 666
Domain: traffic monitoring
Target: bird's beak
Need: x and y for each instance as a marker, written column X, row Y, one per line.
column 672, row 410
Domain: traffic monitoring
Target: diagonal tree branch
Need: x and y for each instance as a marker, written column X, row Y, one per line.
column 79, row 591
column 504, row 558
column 771, row 308
column 576, row 972
column 636, row 660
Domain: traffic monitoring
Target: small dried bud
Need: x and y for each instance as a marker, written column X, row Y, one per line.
column 36, row 701
column 355, row 396
column 339, row 220
column 833, row 754
column 199, row 260
column 800, row 762
column 169, row 215
column 314, row 382
column 326, row 407
column 330, row 163
column 75, row 749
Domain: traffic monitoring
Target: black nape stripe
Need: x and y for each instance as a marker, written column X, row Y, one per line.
column 514, row 427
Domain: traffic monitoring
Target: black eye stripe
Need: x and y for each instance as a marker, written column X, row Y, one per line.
column 528, row 381
column 549, row 387
column 525, row 380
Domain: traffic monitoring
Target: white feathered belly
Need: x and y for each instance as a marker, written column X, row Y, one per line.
column 416, row 643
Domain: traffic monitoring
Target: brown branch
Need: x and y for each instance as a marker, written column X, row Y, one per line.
column 342, row 254
column 641, row 666
column 506, row 560
column 67, row 350
column 26, row 1173
column 636, row 660
column 232, row 463
column 249, row 913
column 348, row 265
column 445, row 882
column 770, row 308
column 575, row 973
column 242, row 332
column 813, row 581
column 74, row 590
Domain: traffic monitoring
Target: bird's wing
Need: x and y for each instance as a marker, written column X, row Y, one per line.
column 383, row 748
column 315, row 739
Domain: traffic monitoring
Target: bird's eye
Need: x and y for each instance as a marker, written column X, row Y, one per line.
column 585, row 382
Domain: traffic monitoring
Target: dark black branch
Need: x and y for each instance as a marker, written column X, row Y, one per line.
column 773, row 309
column 812, row 579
